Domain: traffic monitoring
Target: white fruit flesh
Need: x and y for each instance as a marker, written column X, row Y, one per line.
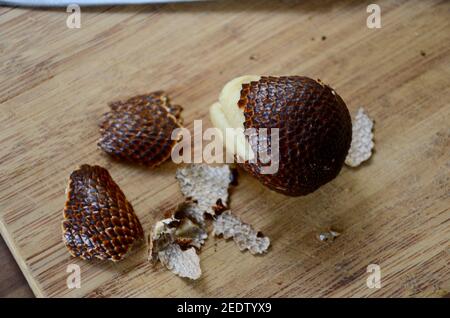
column 226, row 114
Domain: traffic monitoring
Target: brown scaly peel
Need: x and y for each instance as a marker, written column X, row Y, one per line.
column 98, row 220
column 315, row 128
column 139, row 129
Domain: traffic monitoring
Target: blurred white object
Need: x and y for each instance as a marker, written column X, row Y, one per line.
column 64, row 3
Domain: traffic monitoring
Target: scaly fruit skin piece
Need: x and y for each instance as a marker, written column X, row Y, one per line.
column 139, row 129
column 98, row 220
column 315, row 131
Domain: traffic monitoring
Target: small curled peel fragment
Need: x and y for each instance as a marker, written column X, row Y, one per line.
column 230, row 226
column 362, row 140
column 182, row 263
column 173, row 242
column 140, row 129
column 328, row 236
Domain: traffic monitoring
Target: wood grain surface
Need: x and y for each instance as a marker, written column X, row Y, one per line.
column 393, row 211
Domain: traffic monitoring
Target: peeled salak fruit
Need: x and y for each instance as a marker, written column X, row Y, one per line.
column 314, row 129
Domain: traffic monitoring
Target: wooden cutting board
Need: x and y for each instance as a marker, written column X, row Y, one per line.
column 393, row 211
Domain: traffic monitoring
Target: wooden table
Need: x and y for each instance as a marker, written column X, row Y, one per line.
column 55, row 82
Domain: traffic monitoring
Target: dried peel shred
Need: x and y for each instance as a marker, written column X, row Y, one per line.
column 182, row 263
column 362, row 140
column 205, row 185
column 230, row 226
column 328, row 236
column 175, row 241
